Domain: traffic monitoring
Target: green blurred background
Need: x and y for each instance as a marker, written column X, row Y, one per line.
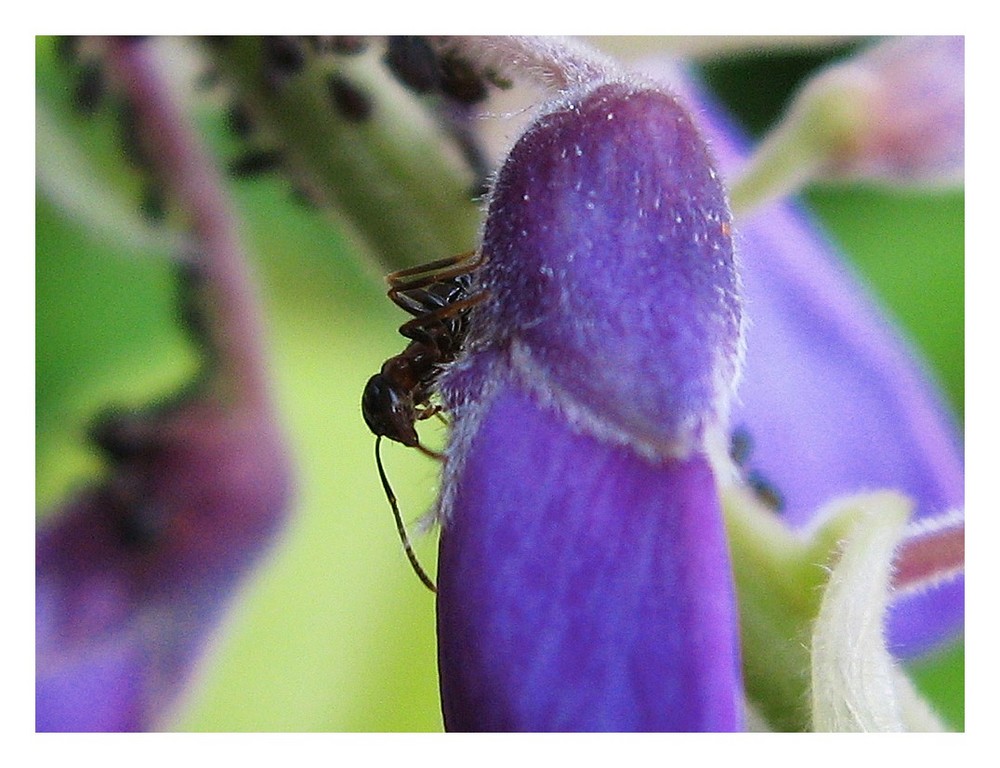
column 335, row 633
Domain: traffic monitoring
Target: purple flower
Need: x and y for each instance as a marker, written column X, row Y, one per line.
column 584, row 581
column 584, row 576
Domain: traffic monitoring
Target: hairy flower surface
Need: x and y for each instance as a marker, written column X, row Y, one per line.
column 583, row 576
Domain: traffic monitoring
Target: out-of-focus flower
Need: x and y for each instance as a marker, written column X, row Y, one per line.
column 133, row 574
column 892, row 114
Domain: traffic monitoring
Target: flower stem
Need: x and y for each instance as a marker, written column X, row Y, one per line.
column 233, row 324
column 392, row 179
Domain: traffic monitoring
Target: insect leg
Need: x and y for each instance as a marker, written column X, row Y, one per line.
column 423, row 270
column 421, row 277
column 418, row 327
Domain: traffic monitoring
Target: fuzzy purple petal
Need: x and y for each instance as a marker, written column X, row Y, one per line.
column 608, row 241
column 582, row 587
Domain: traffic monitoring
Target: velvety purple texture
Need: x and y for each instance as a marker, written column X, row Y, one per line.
column 133, row 575
column 834, row 400
column 584, row 580
column 610, row 266
column 581, row 587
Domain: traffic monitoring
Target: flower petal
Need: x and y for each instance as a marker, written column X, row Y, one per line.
column 582, row 587
column 832, row 398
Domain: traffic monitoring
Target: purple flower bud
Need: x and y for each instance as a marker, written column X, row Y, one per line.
column 132, row 575
column 583, row 576
column 610, row 271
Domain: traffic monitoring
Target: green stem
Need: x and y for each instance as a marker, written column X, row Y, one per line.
column 780, row 167
column 820, row 130
column 394, row 179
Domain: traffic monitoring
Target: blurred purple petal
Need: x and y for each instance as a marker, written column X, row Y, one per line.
column 833, row 399
column 582, row 587
column 857, row 412
column 132, row 576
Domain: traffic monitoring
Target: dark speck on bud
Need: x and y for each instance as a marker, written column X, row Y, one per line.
column 128, row 135
column 413, row 61
column 741, row 452
column 740, row 446
column 765, row 491
column 460, row 81
column 238, row 121
column 255, row 163
column 67, row 48
column 89, row 89
column 121, row 435
column 190, row 304
column 153, row 204
column 348, row 100
column 284, row 56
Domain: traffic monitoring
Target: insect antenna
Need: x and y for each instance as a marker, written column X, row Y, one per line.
column 410, row 554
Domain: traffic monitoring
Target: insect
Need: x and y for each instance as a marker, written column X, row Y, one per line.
column 439, row 296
